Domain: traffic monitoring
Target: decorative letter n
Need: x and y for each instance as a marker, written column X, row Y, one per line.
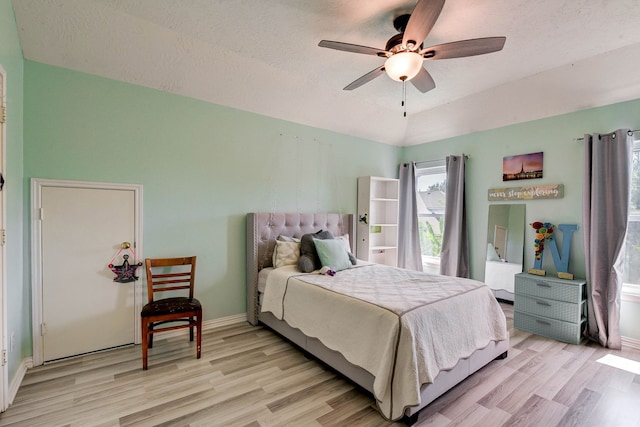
column 562, row 263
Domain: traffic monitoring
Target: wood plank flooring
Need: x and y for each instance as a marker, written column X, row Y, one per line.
column 249, row 376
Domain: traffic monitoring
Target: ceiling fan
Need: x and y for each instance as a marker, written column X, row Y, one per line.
column 404, row 52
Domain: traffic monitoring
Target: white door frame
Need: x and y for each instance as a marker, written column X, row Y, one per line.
column 4, row 372
column 36, row 252
column 504, row 231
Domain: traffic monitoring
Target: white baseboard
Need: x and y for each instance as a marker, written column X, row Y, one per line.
column 225, row 321
column 631, row 342
column 26, row 363
column 206, row 325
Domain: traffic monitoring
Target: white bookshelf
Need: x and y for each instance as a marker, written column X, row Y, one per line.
column 377, row 239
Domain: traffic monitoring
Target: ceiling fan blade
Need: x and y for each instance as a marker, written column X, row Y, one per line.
column 365, row 79
column 464, row 48
column 422, row 20
column 355, row 48
column 423, row 81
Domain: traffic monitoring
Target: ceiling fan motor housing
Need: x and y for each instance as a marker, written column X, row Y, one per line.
column 394, row 44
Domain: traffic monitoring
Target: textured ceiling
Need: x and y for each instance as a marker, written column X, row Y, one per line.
column 262, row 56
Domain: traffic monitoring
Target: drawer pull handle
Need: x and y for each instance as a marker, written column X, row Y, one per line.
column 546, row 304
column 544, row 285
column 543, row 322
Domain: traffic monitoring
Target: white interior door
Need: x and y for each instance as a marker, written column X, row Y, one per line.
column 83, row 309
column 4, row 384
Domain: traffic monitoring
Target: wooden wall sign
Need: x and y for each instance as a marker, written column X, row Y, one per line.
column 529, row 192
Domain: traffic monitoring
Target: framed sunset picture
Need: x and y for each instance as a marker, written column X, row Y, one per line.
column 522, row 166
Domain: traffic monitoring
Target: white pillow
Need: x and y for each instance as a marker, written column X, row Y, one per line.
column 285, row 253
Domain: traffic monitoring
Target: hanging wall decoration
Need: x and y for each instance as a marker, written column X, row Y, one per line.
column 523, row 166
column 126, row 272
column 528, row 192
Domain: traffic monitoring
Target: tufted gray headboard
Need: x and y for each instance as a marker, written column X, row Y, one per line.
column 264, row 228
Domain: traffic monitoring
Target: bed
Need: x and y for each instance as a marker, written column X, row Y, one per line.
column 405, row 349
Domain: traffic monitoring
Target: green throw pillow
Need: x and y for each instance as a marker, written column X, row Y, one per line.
column 332, row 254
column 309, row 260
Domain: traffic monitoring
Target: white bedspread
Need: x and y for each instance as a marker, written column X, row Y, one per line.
column 404, row 327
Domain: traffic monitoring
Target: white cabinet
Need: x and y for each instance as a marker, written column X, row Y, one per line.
column 377, row 230
column 500, row 277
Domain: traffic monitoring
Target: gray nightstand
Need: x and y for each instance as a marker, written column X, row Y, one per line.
column 552, row 307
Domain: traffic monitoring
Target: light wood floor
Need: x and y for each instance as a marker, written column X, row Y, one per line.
column 249, row 376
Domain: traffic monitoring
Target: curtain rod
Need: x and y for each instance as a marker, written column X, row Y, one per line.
column 466, row 156
column 629, row 132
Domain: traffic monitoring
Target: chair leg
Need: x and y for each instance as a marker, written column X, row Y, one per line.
column 145, row 342
column 199, row 331
column 150, row 327
column 191, row 330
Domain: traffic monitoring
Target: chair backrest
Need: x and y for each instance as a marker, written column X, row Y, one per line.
column 170, row 274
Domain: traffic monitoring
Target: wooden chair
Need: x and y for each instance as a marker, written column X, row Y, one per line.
column 168, row 313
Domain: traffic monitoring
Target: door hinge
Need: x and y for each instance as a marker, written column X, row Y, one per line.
column 43, row 329
column 4, row 357
column 41, row 214
column 3, row 237
column 3, row 114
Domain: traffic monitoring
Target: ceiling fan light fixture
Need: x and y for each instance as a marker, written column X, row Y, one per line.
column 403, row 66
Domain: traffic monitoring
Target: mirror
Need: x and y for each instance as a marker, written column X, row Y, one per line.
column 505, row 248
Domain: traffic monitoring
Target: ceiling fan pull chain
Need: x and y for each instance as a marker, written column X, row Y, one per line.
column 404, row 96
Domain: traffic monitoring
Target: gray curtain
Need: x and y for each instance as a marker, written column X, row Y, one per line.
column 605, row 213
column 409, row 255
column 454, row 258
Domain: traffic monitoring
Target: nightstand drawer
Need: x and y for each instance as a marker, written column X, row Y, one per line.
column 541, row 288
column 556, row 329
column 553, row 309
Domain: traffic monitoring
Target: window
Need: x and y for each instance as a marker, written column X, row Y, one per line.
column 632, row 250
column 431, row 201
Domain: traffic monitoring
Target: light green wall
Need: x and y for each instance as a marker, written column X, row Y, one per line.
column 556, row 137
column 203, row 166
column 18, row 303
